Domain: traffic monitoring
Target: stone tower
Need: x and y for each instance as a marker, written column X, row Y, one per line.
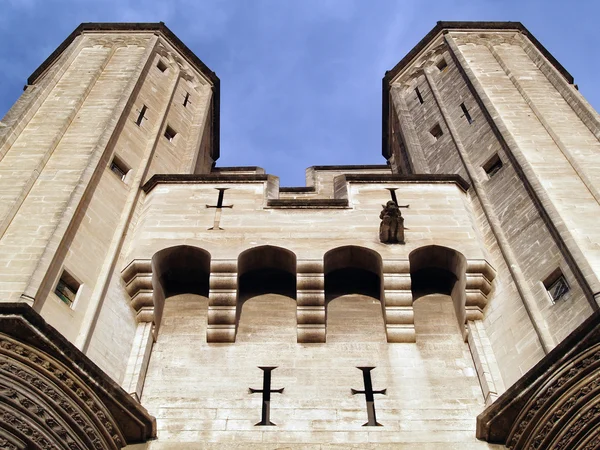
column 147, row 295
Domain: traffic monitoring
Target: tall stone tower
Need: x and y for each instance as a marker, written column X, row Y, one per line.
column 448, row 299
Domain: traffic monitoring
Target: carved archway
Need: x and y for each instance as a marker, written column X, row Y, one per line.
column 53, row 397
column 557, row 403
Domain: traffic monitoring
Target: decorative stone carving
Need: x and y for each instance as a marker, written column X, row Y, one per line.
column 117, row 40
column 391, row 229
column 138, row 284
column 557, row 403
column 53, row 397
column 185, row 70
column 427, row 59
column 486, row 38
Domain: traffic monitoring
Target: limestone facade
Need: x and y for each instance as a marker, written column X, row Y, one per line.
column 181, row 280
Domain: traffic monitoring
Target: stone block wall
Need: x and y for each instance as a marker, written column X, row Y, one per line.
column 62, row 207
column 488, row 95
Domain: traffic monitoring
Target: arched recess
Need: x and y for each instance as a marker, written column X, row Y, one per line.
column 266, row 270
column 181, row 269
column 354, row 270
column 437, row 269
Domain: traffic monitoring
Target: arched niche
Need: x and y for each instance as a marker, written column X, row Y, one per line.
column 182, row 269
column 353, row 294
column 352, row 270
column 266, row 307
column 441, row 270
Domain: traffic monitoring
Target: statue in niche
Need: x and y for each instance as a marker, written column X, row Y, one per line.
column 391, row 229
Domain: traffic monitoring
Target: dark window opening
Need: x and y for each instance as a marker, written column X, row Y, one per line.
column 161, row 65
column 419, row 96
column 556, row 285
column 186, row 100
column 66, row 288
column 119, row 168
column 141, row 115
column 436, row 132
column 442, row 65
column 466, row 113
column 170, row 133
column 493, row 165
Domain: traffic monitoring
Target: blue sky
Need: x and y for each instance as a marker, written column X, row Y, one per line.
column 300, row 80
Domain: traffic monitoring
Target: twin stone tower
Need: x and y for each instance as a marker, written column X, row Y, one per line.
column 153, row 300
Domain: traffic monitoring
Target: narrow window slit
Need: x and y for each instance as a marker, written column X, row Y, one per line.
column 466, row 113
column 419, row 96
column 170, row 133
column 161, row 65
column 66, row 288
column 493, row 165
column 436, row 132
column 141, row 115
column 186, row 100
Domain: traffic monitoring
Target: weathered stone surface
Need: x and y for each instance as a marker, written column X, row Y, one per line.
column 190, row 277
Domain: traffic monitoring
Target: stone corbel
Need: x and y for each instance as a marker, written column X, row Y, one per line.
column 310, row 298
column 138, row 284
column 397, row 302
column 479, row 279
column 222, row 301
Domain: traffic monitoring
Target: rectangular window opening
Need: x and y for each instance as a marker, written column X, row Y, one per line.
column 419, row 96
column 556, row 285
column 161, row 65
column 442, row 65
column 119, row 168
column 436, row 132
column 493, row 165
column 466, row 113
column 66, row 288
column 186, row 100
column 170, row 133
column 141, row 115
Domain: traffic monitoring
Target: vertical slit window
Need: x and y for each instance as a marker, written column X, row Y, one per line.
column 141, row 115
column 186, row 100
column 466, row 113
column 419, row 96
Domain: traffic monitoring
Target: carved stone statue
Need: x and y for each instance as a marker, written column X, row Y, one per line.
column 391, row 230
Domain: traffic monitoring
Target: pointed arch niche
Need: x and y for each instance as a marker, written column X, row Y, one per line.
column 172, row 271
column 358, row 271
column 266, row 300
column 441, row 270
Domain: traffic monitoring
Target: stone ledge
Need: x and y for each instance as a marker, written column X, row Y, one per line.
column 204, row 178
column 309, row 203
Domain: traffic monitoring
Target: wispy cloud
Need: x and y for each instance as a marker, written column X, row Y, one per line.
column 300, row 80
